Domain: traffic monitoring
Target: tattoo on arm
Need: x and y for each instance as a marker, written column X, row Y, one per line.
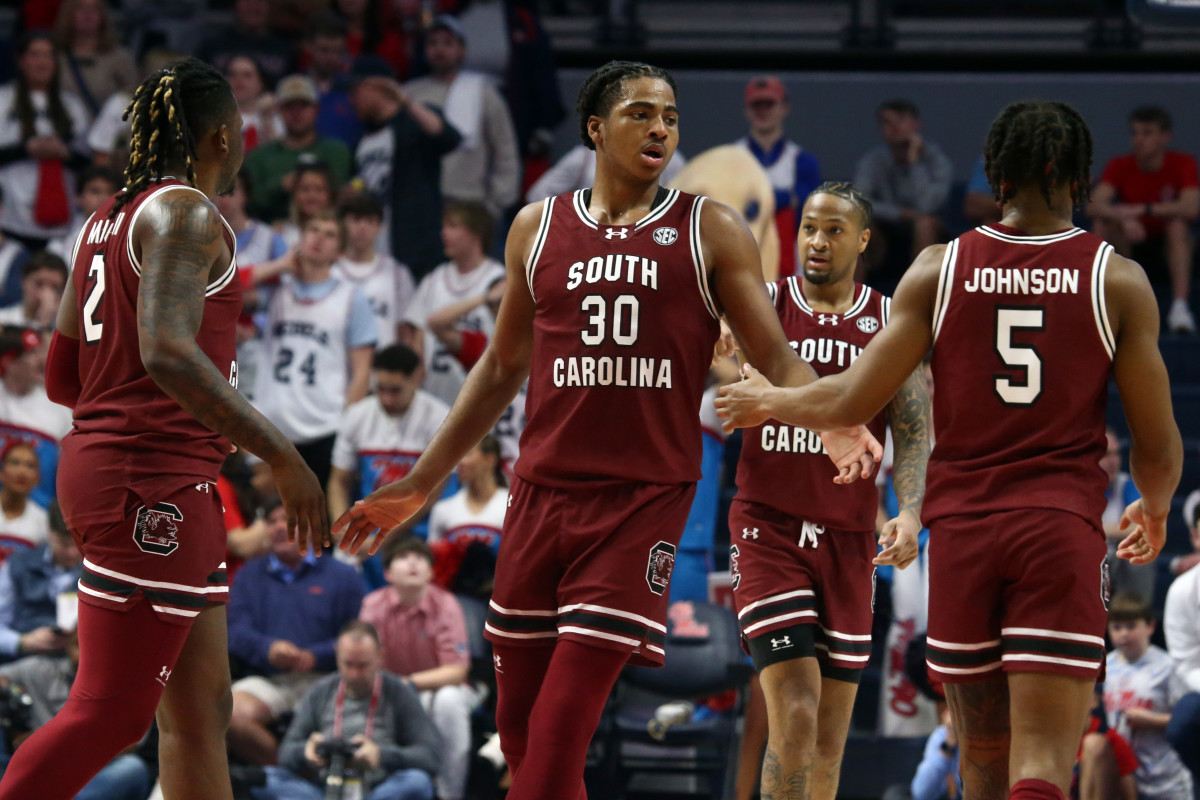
column 910, row 418
column 181, row 241
column 778, row 785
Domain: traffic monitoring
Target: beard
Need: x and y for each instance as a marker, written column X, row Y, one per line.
column 817, row 278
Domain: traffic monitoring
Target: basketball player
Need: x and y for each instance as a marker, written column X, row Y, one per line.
column 1027, row 320
column 145, row 354
column 611, row 311
column 803, row 551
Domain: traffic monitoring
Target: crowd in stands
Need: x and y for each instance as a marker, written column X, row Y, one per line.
column 387, row 146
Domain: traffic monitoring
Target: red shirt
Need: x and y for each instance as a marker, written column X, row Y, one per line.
column 431, row 634
column 1178, row 172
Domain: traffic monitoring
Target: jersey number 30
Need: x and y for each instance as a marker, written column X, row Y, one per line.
column 1020, row 357
column 92, row 327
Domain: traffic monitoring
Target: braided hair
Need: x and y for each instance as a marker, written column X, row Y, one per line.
column 168, row 111
column 23, row 108
column 850, row 193
column 602, row 88
column 1042, row 144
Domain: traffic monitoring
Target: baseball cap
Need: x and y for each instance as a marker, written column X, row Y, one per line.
column 369, row 66
column 296, row 88
column 450, row 23
column 765, row 87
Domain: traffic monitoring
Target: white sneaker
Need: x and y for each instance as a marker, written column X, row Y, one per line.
column 1180, row 319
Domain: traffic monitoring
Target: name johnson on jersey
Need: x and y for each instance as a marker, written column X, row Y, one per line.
column 1003, row 280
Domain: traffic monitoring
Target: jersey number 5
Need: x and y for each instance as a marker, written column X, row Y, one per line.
column 1024, row 357
column 92, row 327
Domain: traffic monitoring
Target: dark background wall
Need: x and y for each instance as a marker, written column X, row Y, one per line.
column 833, row 112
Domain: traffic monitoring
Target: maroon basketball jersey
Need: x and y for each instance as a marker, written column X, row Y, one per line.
column 785, row 466
column 128, row 432
column 624, row 328
column 1021, row 358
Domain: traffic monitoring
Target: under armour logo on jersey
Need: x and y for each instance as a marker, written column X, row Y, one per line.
column 510, row 499
column 496, row 659
column 827, row 319
column 808, row 533
column 163, row 676
column 616, row 233
column 780, row 644
column 749, row 533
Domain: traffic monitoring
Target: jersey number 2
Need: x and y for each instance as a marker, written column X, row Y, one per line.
column 92, row 327
column 1024, row 357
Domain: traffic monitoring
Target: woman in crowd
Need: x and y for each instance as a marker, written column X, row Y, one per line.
column 23, row 523
column 93, row 65
column 464, row 529
column 313, row 191
column 260, row 122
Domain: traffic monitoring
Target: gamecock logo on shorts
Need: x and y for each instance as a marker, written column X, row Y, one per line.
column 658, row 569
column 156, row 530
column 1105, row 584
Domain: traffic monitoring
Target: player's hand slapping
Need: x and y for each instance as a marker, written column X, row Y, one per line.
column 899, row 540
column 304, row 501
column 1147, row 538
column 854, row 451
column 380, row 512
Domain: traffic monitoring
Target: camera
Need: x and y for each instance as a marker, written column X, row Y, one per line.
column 16, row 712
column 341, row 782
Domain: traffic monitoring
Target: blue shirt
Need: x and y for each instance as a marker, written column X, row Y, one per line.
column 930, row 781
column 36, row 604
column 807, row 174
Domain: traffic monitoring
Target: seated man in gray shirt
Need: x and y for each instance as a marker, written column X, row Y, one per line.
column 361, row 725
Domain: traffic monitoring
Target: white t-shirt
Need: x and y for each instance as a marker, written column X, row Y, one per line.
column 28, row 530
column 14, row 315
column 452, row 520
column 381, row 448
column 388, row 285
column 444, row 375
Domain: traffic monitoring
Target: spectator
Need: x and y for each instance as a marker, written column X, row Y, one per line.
column 108, row 138
column 272, row 166
column 466, row 230
column 317, row 325
column 285, row 611
column 250, row 35
column 26, row 413
column 328, row 62
column 1145, row 204
column 312, row 194
column 380, row 437
column 1181, row 623
column 485, row 168
column 372, row 710
column 260, row 118
column 980, row 206
column 423, row 636
column 42, row 138
column 937, row 774
column 1127, row 578
column 23, row 522
column 464, row 529
column 91, row 61
column 13, row 256
column 367, row 35
column 386, row 282
column 907, row 179
column 244, row 541
column 576, row 170
column 1106, row 761
column 33, row 581
column 1140, row 687
column 399, row 162
column 48, row 681
column 794, row 172
column 96, row 185
column 1182, row 563
column 43, row 280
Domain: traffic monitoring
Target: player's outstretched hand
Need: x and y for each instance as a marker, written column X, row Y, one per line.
column 740, row 404
column 304, row 501
column 899, row 540
column 383, row 510
column 854, row 451
column 1147, row 538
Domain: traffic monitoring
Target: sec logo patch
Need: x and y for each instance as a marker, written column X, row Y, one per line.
column 665, row 236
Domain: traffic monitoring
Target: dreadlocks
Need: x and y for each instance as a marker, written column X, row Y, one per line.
column 849, row 192
column 168, row 111
column 600, row 90
column 1042, row 144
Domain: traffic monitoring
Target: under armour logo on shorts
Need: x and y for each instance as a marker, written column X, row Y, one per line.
column 780, row 644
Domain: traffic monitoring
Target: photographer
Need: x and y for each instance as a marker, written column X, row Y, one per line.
column 361, row 726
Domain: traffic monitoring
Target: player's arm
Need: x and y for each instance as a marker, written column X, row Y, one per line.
column 489, row 389
column 180, row 237
column 855, row 396
column 1156, row 451
column 910, row 419
column 62, row 362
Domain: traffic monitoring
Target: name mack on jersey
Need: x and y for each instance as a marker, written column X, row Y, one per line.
column 1007, row 280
